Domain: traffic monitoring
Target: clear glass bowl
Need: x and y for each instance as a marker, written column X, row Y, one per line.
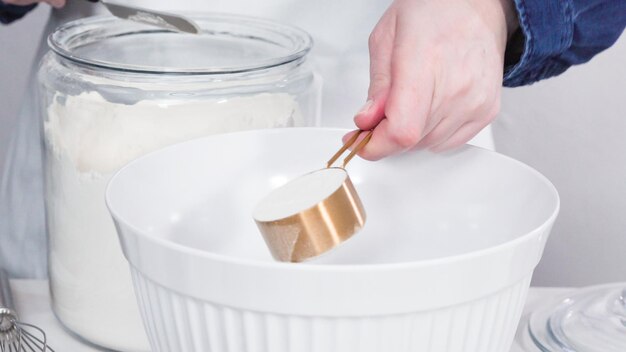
column 592, row 319
column 113, row 90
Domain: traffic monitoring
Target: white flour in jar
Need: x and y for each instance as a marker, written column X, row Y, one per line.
column 88, row 139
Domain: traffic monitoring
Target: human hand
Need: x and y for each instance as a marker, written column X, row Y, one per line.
column 54, row 3
column 436, row 72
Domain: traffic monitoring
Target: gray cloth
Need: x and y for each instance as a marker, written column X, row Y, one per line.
column 22, row 233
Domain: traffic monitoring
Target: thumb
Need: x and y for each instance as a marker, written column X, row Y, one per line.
column 380, row 49
column 373, row 111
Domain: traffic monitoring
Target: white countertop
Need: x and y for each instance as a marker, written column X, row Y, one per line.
column 32, row 300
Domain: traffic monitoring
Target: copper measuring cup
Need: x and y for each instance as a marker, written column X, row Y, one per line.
column 323, row 226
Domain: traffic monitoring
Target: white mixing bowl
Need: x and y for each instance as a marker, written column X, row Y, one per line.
column 443, row 264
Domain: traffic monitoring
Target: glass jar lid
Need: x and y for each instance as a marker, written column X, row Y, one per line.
column 226, row 44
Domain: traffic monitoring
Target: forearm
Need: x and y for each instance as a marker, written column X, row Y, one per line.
column 556, row 34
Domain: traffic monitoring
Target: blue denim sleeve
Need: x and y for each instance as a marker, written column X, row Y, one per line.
column 556, row 34
column 10, row 13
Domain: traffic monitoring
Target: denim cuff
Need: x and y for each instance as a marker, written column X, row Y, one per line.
column 547, row 28
column 10, row 13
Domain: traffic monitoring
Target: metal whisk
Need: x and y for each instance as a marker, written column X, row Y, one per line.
column 16, row 336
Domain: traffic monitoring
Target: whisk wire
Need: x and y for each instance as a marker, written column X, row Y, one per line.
column 17, row 336
column 25, row 341
column 40, row 344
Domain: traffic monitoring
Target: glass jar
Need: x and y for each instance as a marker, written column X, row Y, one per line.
column 112, row 90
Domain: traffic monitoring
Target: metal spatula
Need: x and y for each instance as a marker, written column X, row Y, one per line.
column 154, row 18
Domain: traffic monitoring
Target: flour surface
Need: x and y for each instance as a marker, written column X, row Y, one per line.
column 300, row 194
column 89, row 138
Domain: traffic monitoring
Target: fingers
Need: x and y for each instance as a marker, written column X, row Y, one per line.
column 441, row 132
column 452, row 132
column 55, row 3
column 380, row 49
column 468, row 130
column 465, row 100
column 435, row 79
column 371, row 113
column 380, row 45
column 401, row 89
column 463, row 135
column 380, row 145
column 409, row 100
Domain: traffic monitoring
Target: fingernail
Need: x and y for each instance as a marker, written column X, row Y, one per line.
column 366, row 108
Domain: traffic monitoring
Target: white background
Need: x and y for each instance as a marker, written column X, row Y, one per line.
column 572, row 128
